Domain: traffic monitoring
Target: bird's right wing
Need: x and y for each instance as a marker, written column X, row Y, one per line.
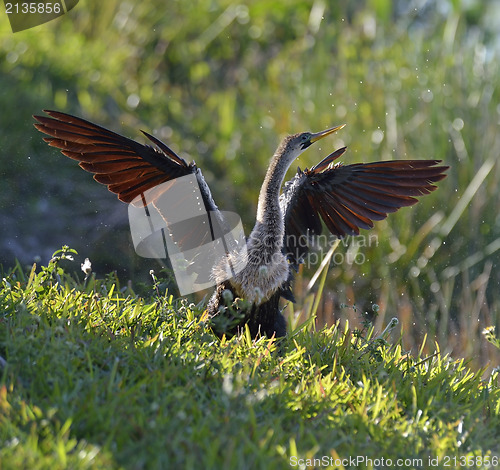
column 348, row 197
column 125, row 166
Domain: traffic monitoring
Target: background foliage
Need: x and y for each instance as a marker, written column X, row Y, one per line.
column 222, row 82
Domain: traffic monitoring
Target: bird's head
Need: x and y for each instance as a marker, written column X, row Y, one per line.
column 293, row 145
column 305, row 139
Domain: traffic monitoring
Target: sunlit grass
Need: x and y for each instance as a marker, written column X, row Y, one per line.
column 94, row 376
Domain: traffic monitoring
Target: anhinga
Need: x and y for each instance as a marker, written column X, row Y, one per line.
column 344, row 198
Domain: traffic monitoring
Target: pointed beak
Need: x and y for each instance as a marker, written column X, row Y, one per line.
column 320, row 135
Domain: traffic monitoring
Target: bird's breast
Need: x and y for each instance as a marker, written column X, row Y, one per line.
column 257, row 282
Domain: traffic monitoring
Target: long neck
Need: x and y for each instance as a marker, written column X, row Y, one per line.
column 268, row 209
column 267, row 235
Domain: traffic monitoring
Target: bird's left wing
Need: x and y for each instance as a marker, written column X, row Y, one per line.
column 349, row 197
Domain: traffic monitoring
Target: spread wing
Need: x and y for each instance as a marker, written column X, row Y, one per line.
column 347, row 198
column 130, row 169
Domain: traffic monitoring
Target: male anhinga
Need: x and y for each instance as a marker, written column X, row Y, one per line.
column 344, row 198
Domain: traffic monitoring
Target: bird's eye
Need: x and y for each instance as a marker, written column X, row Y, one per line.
column 305, row 138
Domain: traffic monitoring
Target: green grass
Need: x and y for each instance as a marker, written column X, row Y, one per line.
column 221, row 84
column 95, row 376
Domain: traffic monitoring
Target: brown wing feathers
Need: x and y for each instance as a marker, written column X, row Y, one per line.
column 345, row 197
column 125, row 166
column 348, row 198
column 352, row 196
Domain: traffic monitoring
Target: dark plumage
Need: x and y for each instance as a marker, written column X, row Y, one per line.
column 343, row 198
